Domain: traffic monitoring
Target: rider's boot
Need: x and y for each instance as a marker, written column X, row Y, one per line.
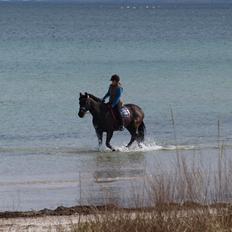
column 121, row 126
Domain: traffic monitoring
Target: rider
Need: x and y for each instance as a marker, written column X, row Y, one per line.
column 114, row 93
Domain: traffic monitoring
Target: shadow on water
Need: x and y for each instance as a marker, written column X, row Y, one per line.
column 112, row 174
column 115, row 167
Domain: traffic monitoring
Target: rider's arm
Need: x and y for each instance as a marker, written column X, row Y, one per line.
column 117, row 96
column 107, row 95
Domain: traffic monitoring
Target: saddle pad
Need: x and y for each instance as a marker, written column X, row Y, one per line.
column 125, row 113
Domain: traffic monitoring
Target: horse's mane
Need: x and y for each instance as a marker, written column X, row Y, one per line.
column 94, row 97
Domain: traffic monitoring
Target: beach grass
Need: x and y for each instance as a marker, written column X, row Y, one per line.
column 191, row 220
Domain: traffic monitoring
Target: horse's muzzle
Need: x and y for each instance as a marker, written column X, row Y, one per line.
column 81, row 114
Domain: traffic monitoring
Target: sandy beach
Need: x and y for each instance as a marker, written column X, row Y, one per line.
column 46, row 223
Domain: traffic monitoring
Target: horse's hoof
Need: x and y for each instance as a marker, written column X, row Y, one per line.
column 113, row 149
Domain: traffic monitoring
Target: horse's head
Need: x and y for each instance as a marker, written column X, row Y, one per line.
column 84, row 104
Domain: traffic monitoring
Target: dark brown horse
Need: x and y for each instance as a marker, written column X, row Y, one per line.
column 104, row 119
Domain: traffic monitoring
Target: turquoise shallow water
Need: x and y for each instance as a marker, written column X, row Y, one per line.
column 168, row 58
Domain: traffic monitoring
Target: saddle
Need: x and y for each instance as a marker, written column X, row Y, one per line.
column 124, row 112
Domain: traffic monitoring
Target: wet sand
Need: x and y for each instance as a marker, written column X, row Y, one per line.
column 49, row 220
column 60, row 219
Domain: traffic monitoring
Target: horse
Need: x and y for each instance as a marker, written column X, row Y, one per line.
column 104, row 119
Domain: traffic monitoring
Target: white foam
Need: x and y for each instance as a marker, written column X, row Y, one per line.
column 144, row 147
column 151, row 145
column 112, row 179
column 178, row 147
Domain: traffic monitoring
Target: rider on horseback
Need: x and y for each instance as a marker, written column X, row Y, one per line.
column 114, row 93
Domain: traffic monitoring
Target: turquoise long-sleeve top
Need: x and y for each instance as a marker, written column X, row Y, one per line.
column 116, row 97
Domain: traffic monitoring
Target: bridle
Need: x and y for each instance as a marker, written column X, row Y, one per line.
column 85, row 108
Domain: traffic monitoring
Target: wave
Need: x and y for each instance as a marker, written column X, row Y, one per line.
column 146, row 147
column 39, row 183
column 86, row 149
column 113, row 179
column 46, row 150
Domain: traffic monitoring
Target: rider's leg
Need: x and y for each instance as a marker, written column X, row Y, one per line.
column 118, row 107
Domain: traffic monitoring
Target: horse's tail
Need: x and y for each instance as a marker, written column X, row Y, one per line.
column 141, row 131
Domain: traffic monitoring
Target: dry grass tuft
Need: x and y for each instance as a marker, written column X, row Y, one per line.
column 206, row 220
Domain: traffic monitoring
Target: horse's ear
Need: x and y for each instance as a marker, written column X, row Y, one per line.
column 81, row 94
column 86, row 94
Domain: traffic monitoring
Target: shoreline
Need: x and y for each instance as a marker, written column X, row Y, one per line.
column 79, row 218
column 89, row 210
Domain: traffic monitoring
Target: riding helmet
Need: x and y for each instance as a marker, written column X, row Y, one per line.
column 115, row 77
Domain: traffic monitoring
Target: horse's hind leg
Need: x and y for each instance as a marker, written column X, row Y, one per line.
column 131, row 141
column 108, row 138
column 132, row 131
column 138, row 139
column 139, row 143
column 135, row 135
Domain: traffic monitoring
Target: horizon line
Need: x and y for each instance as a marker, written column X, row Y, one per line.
column 198, row 2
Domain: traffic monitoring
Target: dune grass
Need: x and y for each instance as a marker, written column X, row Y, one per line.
column 158, row 221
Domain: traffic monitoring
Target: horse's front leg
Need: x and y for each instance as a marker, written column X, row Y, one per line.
column 99, row 136
column 108, row 138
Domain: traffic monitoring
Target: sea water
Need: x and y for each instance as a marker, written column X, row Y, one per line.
column 174, row 62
